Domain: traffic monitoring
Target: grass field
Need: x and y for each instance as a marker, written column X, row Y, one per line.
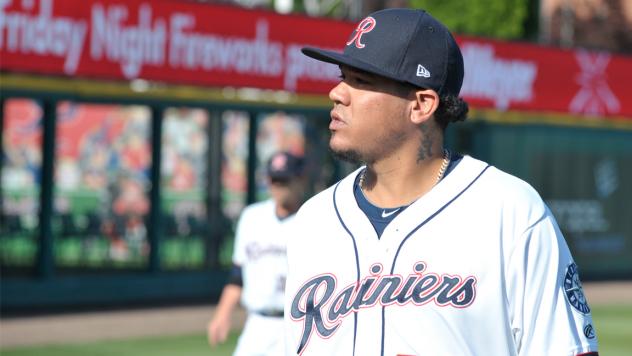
column 186, row 345
column 613, row 324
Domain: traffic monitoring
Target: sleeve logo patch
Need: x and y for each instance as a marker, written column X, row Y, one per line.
column 589, row 331
column 573, row 290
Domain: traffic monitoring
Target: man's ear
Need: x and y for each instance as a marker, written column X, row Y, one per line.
column 425, row 103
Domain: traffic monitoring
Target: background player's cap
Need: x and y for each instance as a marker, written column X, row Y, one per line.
column 405, row 45
column 284, row 166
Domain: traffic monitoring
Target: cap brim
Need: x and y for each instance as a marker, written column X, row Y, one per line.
column 342, row 59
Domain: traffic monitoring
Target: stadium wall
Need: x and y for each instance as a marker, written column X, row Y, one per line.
column 185, row 142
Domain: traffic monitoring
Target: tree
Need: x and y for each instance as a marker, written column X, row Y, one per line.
column 491, row 18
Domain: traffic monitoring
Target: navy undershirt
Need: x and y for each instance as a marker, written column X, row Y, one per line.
column 380, row 217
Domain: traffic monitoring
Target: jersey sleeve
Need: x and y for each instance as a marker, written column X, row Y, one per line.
column 294, row 246
column 549, row 314
column 241, row 233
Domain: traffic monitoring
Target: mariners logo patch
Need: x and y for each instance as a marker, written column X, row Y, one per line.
column 573, row 290
column 589, row 331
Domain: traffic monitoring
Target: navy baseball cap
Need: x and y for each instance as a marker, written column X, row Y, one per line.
column 284, row 166
column 405, row 45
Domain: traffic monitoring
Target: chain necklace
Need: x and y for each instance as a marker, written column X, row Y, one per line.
column 444, row 167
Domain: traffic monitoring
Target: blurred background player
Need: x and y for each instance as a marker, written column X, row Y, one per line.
column 259, row 263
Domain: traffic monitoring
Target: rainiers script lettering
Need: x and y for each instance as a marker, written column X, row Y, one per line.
column 322, row 311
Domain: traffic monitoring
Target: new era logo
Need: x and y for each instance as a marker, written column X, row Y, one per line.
column 422, row 71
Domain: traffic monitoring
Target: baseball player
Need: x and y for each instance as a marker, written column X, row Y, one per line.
column 423, row 251
column 260, row 265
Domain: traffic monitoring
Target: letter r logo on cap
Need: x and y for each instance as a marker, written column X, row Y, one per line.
column 364, row 26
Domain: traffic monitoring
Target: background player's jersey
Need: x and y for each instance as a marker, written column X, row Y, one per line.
column 477, row 266
column 260, row 250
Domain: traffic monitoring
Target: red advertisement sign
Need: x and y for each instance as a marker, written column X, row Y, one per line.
column 201, row 44
column 526, row 77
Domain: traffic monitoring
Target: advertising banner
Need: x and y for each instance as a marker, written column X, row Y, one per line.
column 588, row 197
column 217, row 46
column 583, row 177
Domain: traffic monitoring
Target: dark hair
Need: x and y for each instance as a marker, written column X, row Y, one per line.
column 451, row 109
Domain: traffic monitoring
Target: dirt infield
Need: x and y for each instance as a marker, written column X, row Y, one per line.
column 121, row 324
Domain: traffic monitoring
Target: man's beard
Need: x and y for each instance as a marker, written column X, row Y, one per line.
column 350, row 156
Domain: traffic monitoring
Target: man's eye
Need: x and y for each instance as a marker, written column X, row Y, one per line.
column 353, row 79
column 357, row 80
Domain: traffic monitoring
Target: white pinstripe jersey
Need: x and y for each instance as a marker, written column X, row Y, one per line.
column 477, row 266
column 260, row 250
